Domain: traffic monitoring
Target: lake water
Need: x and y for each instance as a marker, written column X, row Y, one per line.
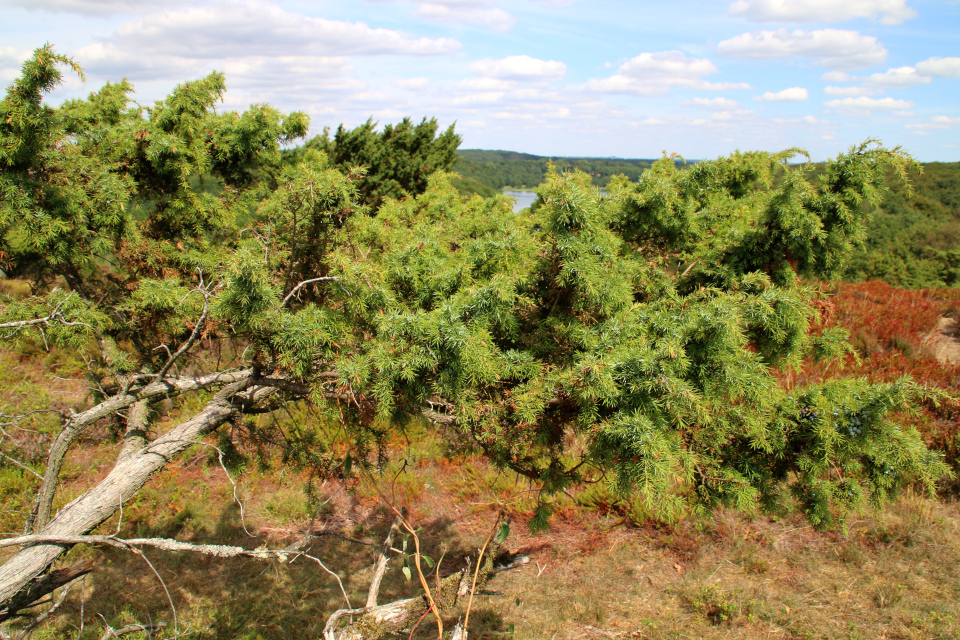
column 522, row 199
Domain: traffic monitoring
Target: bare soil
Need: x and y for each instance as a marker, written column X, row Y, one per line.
column 944, row 341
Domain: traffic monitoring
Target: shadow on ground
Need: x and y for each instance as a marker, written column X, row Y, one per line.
column 254, row 599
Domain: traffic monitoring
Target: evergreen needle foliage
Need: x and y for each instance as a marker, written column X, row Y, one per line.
column 630, row 337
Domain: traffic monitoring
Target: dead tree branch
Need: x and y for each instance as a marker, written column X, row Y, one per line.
column 42, row 585
column 306, row 282
column 380, row 568
column 19, row 464
column 55, row 317
column 131, row 628
column 99, row 503
column 377, row 622
column 77, row 423
column 36, row 622
column 206, row 292
column 166, row 544
column 135, row 436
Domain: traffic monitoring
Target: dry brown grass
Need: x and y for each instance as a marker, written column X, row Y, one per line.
column 596, row 573
column 892, row 575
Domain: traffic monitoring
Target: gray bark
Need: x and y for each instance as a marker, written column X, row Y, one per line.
column 373, row 623
column 76, row 424
column 98, row 504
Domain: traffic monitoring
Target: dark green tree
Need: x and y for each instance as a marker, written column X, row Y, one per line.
column 396, row 161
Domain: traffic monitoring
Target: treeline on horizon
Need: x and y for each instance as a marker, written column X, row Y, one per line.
column 913, row 238
column 487, row 172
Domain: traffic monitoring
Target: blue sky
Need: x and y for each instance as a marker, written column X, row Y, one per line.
column 551, row 77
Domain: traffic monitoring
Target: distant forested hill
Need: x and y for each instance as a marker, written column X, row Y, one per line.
column 486, row 172
column 914, row 238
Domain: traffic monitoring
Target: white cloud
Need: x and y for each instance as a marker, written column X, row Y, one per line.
column 258, row 28
column 510, row 115
column 865, row 106
column 534, row 94
column 667, row 64
column 934, row 123
column 838, row 76
column 888, row 11
column 484, row 13
column 293, row 75
column 482, row 98
column 484, row 84
column 711, row 103
column 945, row 121
column 519, row 68
column 899, row 78
column 413, row 84
column 11, row 60
column 850, row 91
column 111, row 61
column 725, row 86
column 793, row 94
column 96, row 7
column 493, row 17
column 650, row 74
column 268, row 54
column 940, row 67
column 12, row 57
column 832, row 48
column 325, row 73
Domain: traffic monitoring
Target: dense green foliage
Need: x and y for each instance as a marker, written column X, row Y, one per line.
column 393, row 162
column 499, row 169
column 129, row 205
column 631, row 337
column 913, row 238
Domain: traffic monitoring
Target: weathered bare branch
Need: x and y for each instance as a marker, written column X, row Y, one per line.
column 476, row 575
column 166, row 544
column 380, row 568
column 41, row 585
column 20, row 464
column 77, row 423
column 36, row 622
column 439, row 418
column 206, row 292
column 135, row 436
column 382, row 620
column 306, row 282
column 190, row 341
column 55, row 317
column 20, row 324
column 131, row 628
column 99, row 503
